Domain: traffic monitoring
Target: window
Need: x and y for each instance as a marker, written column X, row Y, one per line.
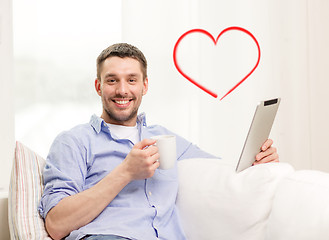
column 56, row 44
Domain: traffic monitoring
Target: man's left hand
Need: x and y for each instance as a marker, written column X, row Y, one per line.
column 267, row 153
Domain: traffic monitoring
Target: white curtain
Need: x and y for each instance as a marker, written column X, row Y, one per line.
column 292, row 36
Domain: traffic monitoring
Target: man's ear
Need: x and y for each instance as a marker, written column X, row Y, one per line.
column 98, row 86
column 146, row 86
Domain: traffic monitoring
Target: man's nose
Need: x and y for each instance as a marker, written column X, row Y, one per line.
column 122, row 88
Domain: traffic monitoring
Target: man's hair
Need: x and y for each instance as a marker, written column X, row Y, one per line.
column 122, row 50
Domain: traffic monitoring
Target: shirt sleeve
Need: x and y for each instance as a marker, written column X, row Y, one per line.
column 193, row 151
column 186, row 149
column 64, row 172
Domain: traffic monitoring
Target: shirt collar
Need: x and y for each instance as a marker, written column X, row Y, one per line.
column 97, row 122
column 141, row 119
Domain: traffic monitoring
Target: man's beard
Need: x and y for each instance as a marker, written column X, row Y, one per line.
column 121, row 119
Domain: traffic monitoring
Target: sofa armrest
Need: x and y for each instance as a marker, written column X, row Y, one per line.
column 301, row 207
column 4, row 228
column 217, row 203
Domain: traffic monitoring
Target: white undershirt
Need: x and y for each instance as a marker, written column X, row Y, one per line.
column 125, row 132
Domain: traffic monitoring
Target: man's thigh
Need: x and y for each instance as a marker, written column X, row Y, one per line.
column 105, row 237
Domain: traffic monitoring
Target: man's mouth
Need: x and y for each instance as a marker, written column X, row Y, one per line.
column 122, row 102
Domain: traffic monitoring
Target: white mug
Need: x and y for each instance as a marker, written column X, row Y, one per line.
column 166, row 145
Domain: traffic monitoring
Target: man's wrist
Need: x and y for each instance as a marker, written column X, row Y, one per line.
column 123, row 173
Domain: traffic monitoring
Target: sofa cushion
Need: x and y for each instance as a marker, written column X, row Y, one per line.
column 26, row 186
column 217, row 203
column 301, row 207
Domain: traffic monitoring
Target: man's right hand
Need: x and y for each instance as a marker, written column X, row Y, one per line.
column 141, row 162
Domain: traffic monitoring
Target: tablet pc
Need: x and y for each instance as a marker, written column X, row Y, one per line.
column 259, row 132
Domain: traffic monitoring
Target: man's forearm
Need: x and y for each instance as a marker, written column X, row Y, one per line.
column 77, row 210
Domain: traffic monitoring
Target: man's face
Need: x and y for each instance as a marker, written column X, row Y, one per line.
column 121, row 88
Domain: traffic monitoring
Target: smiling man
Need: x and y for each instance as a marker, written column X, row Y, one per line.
column 102, row 179
column 121, row 85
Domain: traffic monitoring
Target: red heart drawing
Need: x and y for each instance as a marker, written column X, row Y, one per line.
column 215, row 41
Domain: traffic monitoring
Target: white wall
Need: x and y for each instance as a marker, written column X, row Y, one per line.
column 293, row 36
column 318, row 82
column 6, row 93
column 290, row 68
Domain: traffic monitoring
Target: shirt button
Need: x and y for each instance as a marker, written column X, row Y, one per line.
column 150, row 193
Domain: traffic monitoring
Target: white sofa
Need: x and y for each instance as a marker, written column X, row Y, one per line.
column 269, row 201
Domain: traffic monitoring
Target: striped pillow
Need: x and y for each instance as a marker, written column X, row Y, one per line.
column 26, row 186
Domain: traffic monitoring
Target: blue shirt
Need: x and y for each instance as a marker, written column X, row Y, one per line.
column 144, row 209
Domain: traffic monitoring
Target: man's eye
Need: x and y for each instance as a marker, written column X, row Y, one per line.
column 110, row 80
column 132, row 80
